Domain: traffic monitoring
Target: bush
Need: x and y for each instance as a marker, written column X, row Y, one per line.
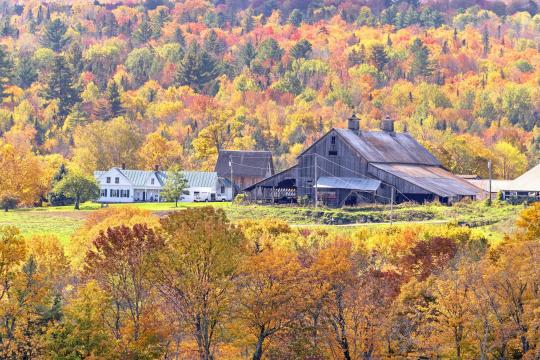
column 240, row 199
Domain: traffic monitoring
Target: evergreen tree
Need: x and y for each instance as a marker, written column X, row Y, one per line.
column 212, row 44
column 421, row 65
column 179, row 37
column 59, row 199
column 113, row 96
column 379, row 57
column 61, row 86
column 144, row 32
column 247, row 54
column 74, row 57
column 295, row 17
column 55, row 37
column 197, row 68
column 6, row 71
column 301, row 49
column 356, row 57
column 247, row 22
column 25, row 72
column 485, row 41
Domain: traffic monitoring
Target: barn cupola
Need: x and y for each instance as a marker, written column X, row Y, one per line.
column 353, row 124
column 387, row 125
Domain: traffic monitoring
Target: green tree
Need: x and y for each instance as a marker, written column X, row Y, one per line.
column 79, row 187
column 421, row 64
column 141, row 62
column 175, row 185
column 179, row 37
column 144, row 32
column 247, row 54
column 55, row 37
column 379, row 57
column 61, row 86
column 301, row 49
column 295, row 17
column 25, row 72
column 6, row 69
column 113, row 97
column 197, row 68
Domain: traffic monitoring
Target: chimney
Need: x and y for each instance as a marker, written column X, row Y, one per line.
column 156, row 167
column 123, row 166
column 353, row 123
column 387, row 125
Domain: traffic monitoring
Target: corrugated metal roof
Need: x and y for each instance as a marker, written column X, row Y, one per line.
column 200, row 178
column 139, row 178
column 431, row 178
column 384, row 147
column 327, row 182
column 529, row 181
column 244, row 163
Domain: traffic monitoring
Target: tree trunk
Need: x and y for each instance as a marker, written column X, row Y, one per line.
column 257, row 355
column 342, row 336
column 77, row 199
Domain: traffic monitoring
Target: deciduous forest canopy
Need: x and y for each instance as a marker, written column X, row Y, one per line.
column 94, row 85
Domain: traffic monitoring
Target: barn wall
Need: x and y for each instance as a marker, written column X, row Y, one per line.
column 346, row 163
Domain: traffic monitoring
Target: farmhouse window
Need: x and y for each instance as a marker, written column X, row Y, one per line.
column 117, row 180
column 333, row 140
column 152, row 181
column 332, row 152
column 108, row 180
column 103, row 192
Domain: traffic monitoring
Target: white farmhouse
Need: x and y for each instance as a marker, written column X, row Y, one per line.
column 120, row 185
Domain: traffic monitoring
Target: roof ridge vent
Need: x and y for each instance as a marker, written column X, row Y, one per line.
column 353, row 124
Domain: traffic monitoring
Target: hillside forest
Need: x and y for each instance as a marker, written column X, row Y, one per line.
column 87, row 86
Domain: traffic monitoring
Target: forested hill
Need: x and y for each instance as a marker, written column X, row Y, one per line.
column 159, row 82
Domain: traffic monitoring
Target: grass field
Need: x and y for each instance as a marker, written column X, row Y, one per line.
column 62, row 221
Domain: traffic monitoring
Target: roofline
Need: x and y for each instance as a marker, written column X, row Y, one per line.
column 271, row 176
column 260, row 151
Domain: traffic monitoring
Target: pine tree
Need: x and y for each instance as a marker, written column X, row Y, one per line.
column 301, row 49
column 61, row 86
column 74, row 56
column 247, row 54
column 144, row 32
column 6, row 69
column 378, row 56
column 113, row 96
column 197, row 68
column 485, row 41
column 55, row 37
column 421, row 65
column 25, row 72
column 247, row 22
column 179, row 37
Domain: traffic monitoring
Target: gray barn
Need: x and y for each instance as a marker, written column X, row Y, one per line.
column 351, row 166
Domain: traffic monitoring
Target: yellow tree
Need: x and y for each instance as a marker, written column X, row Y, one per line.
column 21, row 182
column 509, row 162
column 272, row 293
column 157, row 150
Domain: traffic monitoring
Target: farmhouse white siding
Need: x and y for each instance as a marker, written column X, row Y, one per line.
column 123, row 186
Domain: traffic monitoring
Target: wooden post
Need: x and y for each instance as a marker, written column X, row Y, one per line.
column 316, row 187
column 490, row 176
column 392, row 206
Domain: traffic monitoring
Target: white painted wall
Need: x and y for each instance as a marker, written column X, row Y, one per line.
column 123, row 184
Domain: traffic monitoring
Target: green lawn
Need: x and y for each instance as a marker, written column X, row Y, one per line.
column 62, row 221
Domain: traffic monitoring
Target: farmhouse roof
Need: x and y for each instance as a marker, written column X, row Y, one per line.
column 140, row 177
column 244, row 163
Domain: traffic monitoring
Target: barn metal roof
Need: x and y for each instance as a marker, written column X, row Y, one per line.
column 431, row 178
column 496, row 185
column 529, row 181
column 385, row 147
column 244, row 163
column 327, row 182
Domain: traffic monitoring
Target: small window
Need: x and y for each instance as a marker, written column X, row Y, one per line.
column 103, row 193
column 152, row 181
column 108, row 180
column 117, row 180
column 223, row 189
column 333, row 140
column 332, row 152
